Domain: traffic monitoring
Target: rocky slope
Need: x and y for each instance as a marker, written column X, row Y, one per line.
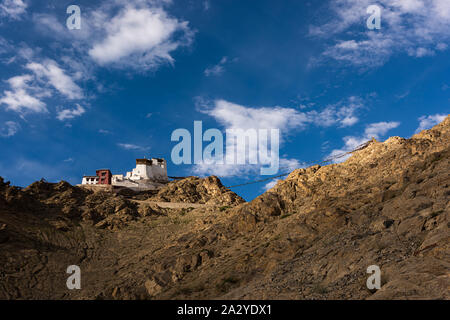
column 312, row 236
column 195, row 190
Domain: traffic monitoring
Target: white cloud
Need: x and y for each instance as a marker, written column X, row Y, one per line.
column 287, row 165
column 68, row 114
column 372, row 52
column 50, row 24
column 12, row 8
column 349, row 121
column 28, row 90
column 421, row 52
column 20, row 100
column 19, row 81
column 342, row 113
column 374, row 130
column 441, row 46
column 218, row 69
column 380, row 129
column 233, row 116
column 415, row 27
column 403, row 95
column 138, row 37
column 5, row 47
column 129, row 146
column 9, row 129
column 442, row 8
column 233, row 170
column 427, row 122
column 206, row 5
column 50, row 72
column 270, row 185
column 224, row 169
column 23, row 96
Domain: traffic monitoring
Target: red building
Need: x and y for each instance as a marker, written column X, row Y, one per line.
column 104, row 176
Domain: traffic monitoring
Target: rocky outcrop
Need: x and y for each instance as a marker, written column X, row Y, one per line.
column 198, row 190
column 387, row 205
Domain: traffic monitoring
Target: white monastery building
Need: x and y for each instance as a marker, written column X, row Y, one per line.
column 90, row 180
column 149, row 174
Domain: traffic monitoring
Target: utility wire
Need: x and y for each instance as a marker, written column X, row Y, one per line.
column 359, row 147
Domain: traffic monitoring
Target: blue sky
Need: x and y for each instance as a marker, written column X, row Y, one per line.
column 73, row 101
